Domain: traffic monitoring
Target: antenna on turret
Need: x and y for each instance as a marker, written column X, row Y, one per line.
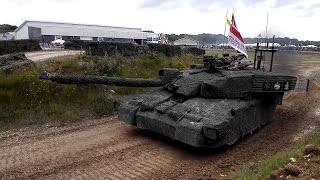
column 266, row 40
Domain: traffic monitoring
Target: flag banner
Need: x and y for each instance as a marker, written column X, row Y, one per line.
column 234, row 42
column 235, row 39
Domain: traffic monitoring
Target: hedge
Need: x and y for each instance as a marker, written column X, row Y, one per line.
column 195, row 51
column 167, row 50
column 111, row 48
column 15, row 46
column 75, row 45
column 129, row 49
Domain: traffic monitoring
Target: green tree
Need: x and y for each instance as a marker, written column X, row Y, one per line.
column 7, row 28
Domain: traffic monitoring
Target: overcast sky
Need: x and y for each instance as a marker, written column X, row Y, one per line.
column 292, row 18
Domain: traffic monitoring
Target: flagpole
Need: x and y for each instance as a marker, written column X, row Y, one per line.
column 224, row 34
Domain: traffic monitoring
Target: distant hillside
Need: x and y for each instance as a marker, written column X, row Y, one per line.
column 7, row 28
column 219, row 39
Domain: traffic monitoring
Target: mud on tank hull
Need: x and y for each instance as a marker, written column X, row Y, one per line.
column 199, row 122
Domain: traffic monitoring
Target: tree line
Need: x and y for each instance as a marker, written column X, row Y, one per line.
column 206, row 38
column 7, row 28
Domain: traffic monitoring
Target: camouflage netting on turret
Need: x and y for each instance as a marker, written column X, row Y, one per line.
column 231, row 87
column 214, row 85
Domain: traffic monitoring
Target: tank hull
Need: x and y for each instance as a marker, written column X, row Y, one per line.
column 199, row 122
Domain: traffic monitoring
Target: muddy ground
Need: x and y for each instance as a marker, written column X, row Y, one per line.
column 109, row 149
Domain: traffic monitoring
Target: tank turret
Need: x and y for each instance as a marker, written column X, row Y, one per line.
column 209, row 105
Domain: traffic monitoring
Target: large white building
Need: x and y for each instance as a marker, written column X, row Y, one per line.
column 47, row 32
column 186, row 41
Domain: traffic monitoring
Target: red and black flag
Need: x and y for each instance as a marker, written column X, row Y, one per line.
column 235, row 39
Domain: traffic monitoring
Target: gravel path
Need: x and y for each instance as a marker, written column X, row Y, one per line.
column 43, row 55
column 109, row 149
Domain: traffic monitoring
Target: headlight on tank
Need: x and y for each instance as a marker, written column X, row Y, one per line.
column 210, row 133
column 277, row 86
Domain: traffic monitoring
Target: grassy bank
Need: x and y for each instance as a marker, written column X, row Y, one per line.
column 27, row 100
column 266, row 167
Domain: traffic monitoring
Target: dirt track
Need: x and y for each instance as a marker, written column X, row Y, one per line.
column 109, row 149
column 43, row 55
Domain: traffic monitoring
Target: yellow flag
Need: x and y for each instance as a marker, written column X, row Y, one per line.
column 228, row 22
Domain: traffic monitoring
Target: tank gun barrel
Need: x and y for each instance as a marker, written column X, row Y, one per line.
column 90, row 79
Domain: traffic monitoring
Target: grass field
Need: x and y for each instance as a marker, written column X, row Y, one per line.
column 266, row 167
column 301, row 56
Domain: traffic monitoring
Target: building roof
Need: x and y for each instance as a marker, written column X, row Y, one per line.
column 186, row 39
column 63, row 23
column 85, row 30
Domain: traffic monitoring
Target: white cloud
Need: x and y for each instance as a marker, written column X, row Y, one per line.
column 286, row 18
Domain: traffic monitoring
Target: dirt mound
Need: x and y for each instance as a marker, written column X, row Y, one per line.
column 312, row 149
column 13, row 61
column 306, row 167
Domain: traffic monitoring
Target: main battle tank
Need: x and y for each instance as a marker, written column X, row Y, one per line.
column 209, row 105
